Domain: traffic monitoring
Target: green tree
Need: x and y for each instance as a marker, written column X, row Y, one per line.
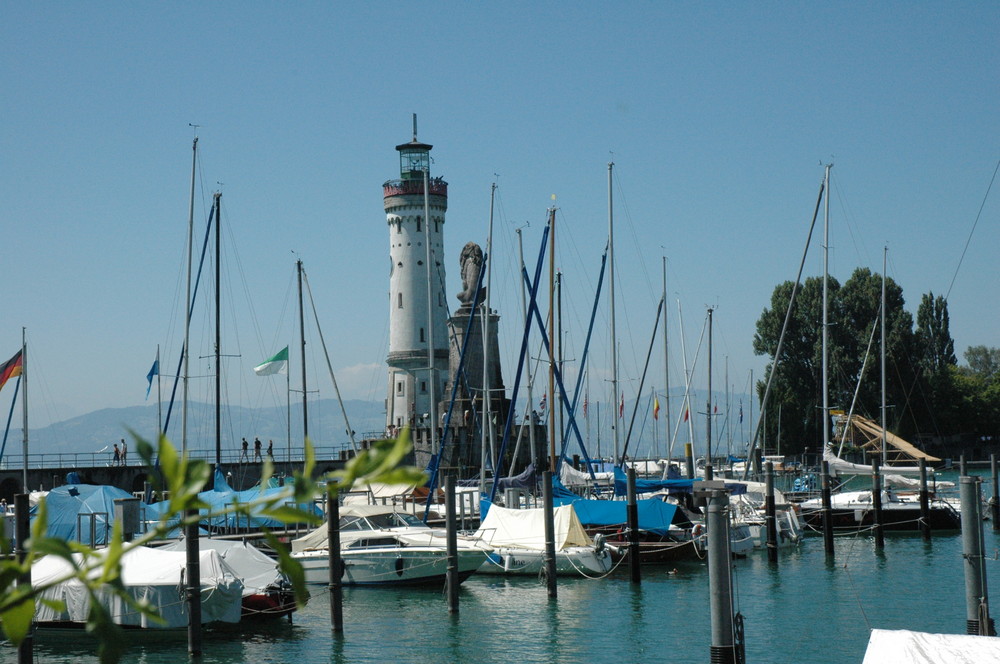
column 184, row 479
column 934, row 344
column 983, row 361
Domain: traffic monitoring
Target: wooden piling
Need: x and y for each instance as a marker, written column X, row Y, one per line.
column 632, row 512
column 550, row 534
column 879, row 529
column 925, row 509
column 827, row 511
column 22, row 531
column 769, row 514
column 336, row 585
column 452, row 540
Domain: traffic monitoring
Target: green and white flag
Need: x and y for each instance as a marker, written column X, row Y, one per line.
column 276, row 364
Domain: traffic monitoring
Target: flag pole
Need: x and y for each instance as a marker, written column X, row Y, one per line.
column 24, row 406
column 159, row 398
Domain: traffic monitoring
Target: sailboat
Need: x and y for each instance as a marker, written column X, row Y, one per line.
column 854, row 510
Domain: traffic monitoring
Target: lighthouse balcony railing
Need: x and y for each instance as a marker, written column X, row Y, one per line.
column 402, row 187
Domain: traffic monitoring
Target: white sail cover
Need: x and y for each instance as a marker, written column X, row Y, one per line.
column 148, row 574
column 526, row 528
column 840, row 467
column 570, row 476
column 905, row 647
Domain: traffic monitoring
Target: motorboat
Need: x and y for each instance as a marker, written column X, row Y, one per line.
column 381, row 546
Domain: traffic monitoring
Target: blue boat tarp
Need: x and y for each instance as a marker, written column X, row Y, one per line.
column 64, row 504
column 671, row 486
column 654, row 515
column 222, row 496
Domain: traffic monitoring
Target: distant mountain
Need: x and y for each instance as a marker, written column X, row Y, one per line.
column 102, row 428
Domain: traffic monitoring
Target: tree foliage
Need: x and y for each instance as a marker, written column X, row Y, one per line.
column 184, row 479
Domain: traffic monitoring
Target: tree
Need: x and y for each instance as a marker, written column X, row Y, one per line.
column 184, row 479
column 934, row 343
column 983, row 362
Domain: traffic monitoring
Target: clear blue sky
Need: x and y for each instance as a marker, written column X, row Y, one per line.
column 717, row 115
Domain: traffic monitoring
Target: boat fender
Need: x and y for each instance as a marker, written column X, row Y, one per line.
column 697, row 531
column 400, row 563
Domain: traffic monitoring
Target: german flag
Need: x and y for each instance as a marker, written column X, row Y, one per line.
column 10, row 368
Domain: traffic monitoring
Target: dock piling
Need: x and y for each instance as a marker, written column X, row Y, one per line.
column 769, row 514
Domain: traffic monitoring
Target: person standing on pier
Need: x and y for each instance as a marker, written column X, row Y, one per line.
column 270, row 450
column 246, row 445
column 117, row 458
column 124, row 453
column 256, row 449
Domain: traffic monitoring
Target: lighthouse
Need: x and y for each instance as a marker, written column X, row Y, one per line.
column 415, row 206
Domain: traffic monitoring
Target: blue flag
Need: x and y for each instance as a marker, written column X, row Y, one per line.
column 154, row 371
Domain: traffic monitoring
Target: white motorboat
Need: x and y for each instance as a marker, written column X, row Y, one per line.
column 379, row 546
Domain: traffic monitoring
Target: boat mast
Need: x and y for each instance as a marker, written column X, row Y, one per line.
column 826, row 278
column 611, row 289
column 885, row 251
column 487, row 397
column 552, row 365
column 187, row 301
column 218, row 333
column 159, row 398
column 531, row 374
column 302, row 337
column 431, row 373
column 708, row 410
column 666, row 369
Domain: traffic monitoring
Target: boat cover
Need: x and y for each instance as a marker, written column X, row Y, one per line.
column 526, row 528
column 652, row 486
column 251, row 565
column 147, row 574
column 654, row 515
column 64, row 503
column 570, row 476
column 903, row 646
column 840, row 467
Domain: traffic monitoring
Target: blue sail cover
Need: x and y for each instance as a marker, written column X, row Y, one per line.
column 672, row 486
column 654, row 514
column 64, row 503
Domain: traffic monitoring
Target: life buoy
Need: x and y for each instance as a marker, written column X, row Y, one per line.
column 697, row 531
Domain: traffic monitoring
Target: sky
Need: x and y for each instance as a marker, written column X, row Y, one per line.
column 718, row 117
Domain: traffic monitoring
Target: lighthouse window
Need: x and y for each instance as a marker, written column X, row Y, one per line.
column 422, row 335
column 399, row 300
column 418, row 224
column 423, row 386
column 437, row 226
column 399, row 387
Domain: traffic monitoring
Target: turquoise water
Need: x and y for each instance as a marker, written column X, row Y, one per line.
column 808, row 608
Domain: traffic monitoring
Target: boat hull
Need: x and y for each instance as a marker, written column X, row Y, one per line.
column 572, row 561
column 390, row 566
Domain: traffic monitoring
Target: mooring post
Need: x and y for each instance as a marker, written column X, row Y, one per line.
column 827, row 509
column 550, row 534
column 877, row 506
column 336, row 584
column 977, row 604
column 995, row 500
column 689, row 460
column 22, row 531
column 633, row 529
column 769, row 514
column 452, row 525
column 723, row 650
column 925, row 510
column 193, row 589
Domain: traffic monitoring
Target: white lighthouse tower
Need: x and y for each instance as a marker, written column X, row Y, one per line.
column 415, row 207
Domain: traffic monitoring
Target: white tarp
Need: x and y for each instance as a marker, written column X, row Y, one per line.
column 905, row 647
column 148, row 574
column 254, row 567
column 526, row 528
column 570, row 476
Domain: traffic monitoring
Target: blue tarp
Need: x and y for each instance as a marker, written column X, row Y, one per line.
column 64, row 503
column 654, row 515
column 672, row 486
column 223, row 496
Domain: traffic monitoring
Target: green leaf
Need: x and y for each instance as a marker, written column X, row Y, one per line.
column 291, row 568
column 17, row 618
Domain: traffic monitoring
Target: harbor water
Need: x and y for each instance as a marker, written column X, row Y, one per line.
column 807, row 608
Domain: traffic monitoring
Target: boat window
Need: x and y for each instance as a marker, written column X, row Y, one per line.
column 407, row 519
column 351, row 523
column 382, row 521
column 369, row 542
